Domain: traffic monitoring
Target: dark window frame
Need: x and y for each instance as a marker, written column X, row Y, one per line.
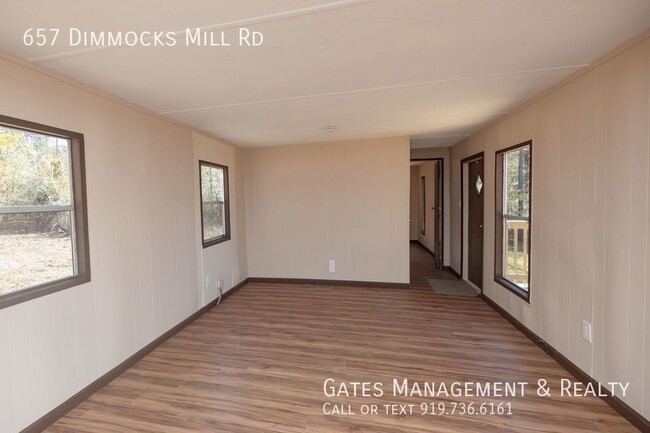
column 79, row 213
column 226, row 198
column 499, row 216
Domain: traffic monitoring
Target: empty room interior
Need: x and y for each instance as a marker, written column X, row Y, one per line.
column 325, row 216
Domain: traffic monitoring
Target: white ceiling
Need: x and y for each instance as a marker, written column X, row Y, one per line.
column 436, row 70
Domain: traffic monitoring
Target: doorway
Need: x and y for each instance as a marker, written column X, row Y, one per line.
column 427, row 223
column 427, row 206
column 438, row 234
column 473, row 181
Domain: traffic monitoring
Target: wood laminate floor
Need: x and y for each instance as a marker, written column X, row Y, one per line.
column 423, row 267
column 257, row 363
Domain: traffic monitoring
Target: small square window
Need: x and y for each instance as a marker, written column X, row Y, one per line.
column 215, row 206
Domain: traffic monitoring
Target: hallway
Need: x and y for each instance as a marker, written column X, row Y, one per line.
column 423, row 267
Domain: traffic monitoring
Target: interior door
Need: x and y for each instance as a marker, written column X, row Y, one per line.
column 475, row 223
column 438, row 215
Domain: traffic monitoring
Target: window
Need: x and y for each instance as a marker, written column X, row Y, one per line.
column 513, row 199
column 215, row 207
column 43, row 220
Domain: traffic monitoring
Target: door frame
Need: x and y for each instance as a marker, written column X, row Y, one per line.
column 463, row 224
column 439, row 234
column 442, row 205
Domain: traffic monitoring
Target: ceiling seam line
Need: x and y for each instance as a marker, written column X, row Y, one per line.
column 373, row 89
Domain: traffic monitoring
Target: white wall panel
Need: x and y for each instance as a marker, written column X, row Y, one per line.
column 6, row 397
column 70, row 383
column 142, row 208
column 46, row 355
column 590, row 218
column 86, row 340
column 346, row 201
column 6, row 88
column 21, row 365
column 36, row 99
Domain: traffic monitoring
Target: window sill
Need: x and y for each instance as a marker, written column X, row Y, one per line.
column 24, row 295
column 215, row 241
column 523, row 294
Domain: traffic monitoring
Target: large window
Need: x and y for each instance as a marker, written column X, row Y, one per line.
column 43, row 223
column 215, row 207
column 513, row 199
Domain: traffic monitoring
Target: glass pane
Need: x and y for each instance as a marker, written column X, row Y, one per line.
column 478, row 184
column 516, row 258
column 213, row 221
column 213, row 204
column 34, row 169
column 211, row 184
column 35, row 248
column 517, row 182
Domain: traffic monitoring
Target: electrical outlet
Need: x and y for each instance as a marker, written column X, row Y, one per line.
column 220, row 284
column 332, row 266
column 208, row 280
column 586, row 331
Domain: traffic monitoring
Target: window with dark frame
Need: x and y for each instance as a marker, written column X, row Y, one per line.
column 512, row 227
column 43, row 218
column 215, row 205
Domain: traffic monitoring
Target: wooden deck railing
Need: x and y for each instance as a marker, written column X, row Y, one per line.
column 516, row 251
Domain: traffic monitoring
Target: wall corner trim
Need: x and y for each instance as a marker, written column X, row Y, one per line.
column 60, row 411
column 347, row 283
column 634, row 417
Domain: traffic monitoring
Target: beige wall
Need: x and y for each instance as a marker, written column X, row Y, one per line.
column 144, row 252
column 346, row 201
column 225, row 261
column 590, row 218
column 414, row 210
column 428, row 171
column 444, row 154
